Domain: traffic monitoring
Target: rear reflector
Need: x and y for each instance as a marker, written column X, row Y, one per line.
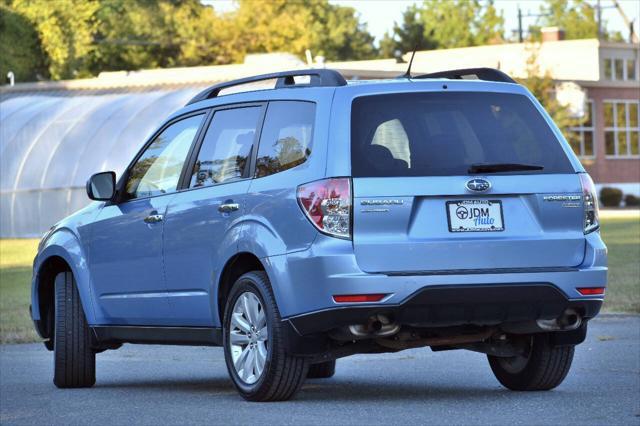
column 350, row 298
column 590, row 291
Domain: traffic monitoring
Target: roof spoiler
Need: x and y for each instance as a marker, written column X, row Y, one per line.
column 487, row 74
column 286, row 79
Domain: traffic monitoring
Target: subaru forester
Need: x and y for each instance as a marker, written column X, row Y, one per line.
column 317, row 218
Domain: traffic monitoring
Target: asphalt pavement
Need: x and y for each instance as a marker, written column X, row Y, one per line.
column 179, row 385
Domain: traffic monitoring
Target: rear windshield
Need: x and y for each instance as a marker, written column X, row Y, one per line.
column 439, row 134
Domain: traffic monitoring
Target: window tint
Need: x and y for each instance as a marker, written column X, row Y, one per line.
column 226, row 147
column 440, row 134
column 285, row 141
column 158, row 170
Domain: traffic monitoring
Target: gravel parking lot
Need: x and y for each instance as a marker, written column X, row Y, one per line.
column 177, row 385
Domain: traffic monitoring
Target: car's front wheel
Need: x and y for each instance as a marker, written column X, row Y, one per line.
column 74, row 358
column 254, row 343
column 542, row 366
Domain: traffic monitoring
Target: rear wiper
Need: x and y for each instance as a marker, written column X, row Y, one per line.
column 502, row 167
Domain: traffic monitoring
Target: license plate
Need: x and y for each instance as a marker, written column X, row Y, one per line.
column 475, row 216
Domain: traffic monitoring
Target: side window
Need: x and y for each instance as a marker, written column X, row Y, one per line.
column 226, row 147
column 158, row 170
column 285, row 141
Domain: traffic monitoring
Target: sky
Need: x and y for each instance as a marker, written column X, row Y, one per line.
column 379, row 15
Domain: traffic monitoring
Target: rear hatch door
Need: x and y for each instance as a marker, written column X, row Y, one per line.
column 461, row 181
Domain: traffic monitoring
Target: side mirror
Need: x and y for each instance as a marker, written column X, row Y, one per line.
column 102, row 186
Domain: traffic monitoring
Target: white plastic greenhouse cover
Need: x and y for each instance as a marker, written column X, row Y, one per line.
column 51, row 144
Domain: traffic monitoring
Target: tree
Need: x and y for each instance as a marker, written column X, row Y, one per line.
column 343, row 36
column 408, row 35
column 576, row 17
column 443, row 24
column 133, row 34
column 332, row 31
column 461, row 23
column 80, row 38
column 21, row 50
column 543, row 87
column 388, row 46
column 65, row 29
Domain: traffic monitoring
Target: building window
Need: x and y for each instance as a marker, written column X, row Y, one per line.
column 621, row 128
column 619, row 69
column 581, row 137
column 631, row 69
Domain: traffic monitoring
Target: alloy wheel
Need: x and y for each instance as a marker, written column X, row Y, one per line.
column 248, row 337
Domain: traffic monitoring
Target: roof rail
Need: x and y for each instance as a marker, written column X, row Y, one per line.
column 487, row 74
column 318, row 78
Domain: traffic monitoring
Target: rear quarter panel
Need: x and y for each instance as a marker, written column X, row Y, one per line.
column 274, row 224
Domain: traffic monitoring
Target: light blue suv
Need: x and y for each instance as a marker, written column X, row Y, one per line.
column 320, row 218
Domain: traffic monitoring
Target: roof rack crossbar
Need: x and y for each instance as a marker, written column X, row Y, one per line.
column 487, row 74
column 286, row 79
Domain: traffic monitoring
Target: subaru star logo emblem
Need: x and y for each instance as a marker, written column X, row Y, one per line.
column 478, row 185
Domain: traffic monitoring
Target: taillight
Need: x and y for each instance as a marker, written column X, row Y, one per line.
column 590, row 199
column 327, row 204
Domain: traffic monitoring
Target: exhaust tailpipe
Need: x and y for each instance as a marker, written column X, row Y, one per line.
column 569, row 320
column 376, row 326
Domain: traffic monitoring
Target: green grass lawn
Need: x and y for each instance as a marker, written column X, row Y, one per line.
column 623, row 295
column 622, row 237
column 16, row 257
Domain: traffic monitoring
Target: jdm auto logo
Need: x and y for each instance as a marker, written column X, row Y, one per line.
column 462, row 212
column 478, row 185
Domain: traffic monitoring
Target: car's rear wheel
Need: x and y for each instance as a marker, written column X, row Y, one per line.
column 541, row 367
column 74, row 359
column 322, row 370
column 254, row 343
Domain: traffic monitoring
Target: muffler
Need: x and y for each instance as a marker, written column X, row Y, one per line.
column 376, row 326
column 569, row 320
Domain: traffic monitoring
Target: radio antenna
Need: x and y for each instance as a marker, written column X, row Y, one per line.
column 408, row 73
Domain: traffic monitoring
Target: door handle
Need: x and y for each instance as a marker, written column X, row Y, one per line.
column 154, row 218
column 228, row 207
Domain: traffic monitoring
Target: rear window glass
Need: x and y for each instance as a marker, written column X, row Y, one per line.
column 440, row 134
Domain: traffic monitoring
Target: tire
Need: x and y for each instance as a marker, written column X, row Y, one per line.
column 282, row 374
column 544, row 367
column 74, row 359
column 323, row 370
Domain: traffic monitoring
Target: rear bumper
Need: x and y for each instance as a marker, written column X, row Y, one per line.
column 443, row 306
column 305, row 282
